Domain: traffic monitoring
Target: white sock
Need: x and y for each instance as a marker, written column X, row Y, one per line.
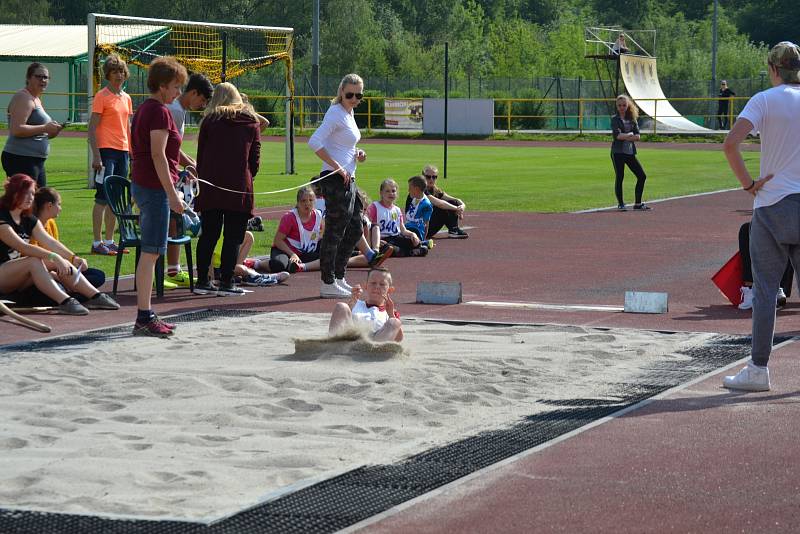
column 108, row 241
column 174, row 268
column 96, row 243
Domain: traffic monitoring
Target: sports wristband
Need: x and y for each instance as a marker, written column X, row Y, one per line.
column 751, row 186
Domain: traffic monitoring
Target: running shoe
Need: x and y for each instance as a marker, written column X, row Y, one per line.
column 230, row 290
column 205, row 288
column 152, row 328
column 641, row 207
column 750, row 378
column 115, row 249
column 101, row 301
column 381, row 255
column 103, row 250
column 71, row 306
column 180, row 279
column 457, row 233
column 259, row 280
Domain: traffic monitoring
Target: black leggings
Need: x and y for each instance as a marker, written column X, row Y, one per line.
column 619, row 161
column 212, row 221
column 279, row 260
column 440, row 217
column 33, row 167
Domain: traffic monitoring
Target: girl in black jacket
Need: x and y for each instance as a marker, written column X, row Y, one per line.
column 625, row 132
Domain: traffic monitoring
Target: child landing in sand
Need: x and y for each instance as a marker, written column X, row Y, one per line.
column 375, row 310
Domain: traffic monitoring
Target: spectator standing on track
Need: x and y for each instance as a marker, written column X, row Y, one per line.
column 775, row 228
column 334, row 142
column 156, row 151
column 723, row 104
column 228, row 156
column 30, row 128
column 195, row 97
column 109, row 140
column 625, row 132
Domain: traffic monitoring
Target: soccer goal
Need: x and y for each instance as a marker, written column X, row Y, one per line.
column 223, row 52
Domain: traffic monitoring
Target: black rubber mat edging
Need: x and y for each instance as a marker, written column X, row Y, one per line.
column 359, row 494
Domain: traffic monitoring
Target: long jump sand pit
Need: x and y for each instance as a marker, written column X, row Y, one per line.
column 226, row 415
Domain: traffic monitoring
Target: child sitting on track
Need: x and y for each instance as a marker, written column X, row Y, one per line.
column 376, row 309
column 419, row 210
column 389, row 219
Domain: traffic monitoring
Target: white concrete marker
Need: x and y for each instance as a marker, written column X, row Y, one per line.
column 645, row 302
column 439, row 292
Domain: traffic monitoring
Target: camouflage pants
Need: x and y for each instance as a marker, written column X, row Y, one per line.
column 343, row 227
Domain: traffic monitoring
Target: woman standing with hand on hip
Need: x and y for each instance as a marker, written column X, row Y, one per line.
column 334, row 142
column 775, row 228
column 156, row 144
column 30, row 128
column 625, row 132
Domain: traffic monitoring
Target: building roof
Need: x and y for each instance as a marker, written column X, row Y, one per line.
column 53, row 41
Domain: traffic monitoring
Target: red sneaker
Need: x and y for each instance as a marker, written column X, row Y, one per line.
column 250, row 263
column 152, row 328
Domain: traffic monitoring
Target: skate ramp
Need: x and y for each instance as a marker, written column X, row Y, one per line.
column 640, row 76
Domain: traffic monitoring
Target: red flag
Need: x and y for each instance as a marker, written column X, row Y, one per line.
column 729, row 279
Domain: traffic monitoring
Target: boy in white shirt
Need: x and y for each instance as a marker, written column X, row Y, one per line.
column 376, row 309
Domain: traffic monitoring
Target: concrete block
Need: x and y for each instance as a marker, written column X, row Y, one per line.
column 645, row 302
column 439, row 292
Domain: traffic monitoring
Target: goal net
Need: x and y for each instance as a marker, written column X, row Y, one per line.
column 223, row 52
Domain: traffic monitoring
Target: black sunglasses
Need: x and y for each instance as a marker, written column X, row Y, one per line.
column 41, row 76
column 432, row 176
column 351, row 95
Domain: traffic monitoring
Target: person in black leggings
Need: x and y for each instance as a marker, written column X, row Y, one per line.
column 625, row 132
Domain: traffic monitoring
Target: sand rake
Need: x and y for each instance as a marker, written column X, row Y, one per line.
column 15, row 314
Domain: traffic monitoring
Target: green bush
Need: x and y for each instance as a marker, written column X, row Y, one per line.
column 376, row 108
column 421, row 93
column 533, row 114
column 270, row 104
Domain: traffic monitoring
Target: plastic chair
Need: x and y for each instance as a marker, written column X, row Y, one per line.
column 118, row 193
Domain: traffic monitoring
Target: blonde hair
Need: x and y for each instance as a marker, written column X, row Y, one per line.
column 349, row 79
column 430, row 168
column 304, row 192
column 227, row 102
column 388, row 181
column 785, row 58
column 632, row 114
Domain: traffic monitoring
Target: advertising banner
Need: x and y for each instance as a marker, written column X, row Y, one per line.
column 403, row 114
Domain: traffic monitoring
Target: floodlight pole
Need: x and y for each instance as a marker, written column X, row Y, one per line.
column 714, row 54
column 90, row 24
column 315, row 50
column 446, row 98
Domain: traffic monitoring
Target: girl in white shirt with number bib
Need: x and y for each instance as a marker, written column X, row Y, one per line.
column 388, row 217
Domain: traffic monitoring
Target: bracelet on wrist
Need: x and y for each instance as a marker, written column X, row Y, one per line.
column 751, row 186
column 52, row 256
column 72, row 259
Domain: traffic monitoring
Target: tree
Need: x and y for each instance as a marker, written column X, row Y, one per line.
column 25, row 12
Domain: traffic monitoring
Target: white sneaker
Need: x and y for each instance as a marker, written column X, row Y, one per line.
column 781, row 300
column 341, row 282
column 747, row 298
column 333, row 291
column 750, row 378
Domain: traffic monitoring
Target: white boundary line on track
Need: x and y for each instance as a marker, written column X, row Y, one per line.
column 502, row 463
column 543, row 306
column 614, row 208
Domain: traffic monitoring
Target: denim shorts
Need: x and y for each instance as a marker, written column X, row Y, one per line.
column 153, row 218
column 115, row 163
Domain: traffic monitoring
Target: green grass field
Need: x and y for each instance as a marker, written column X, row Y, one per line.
column 487, row 178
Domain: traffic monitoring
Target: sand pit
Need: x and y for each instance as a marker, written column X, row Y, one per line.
column 229, row 413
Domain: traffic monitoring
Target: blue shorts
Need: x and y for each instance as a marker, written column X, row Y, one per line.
column 153, row 218
column 115, row 163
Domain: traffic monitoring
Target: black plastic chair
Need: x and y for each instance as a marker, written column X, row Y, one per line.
column 118, row 193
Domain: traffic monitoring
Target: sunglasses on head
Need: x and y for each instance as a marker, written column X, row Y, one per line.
column 432, row 176
column 351, row 95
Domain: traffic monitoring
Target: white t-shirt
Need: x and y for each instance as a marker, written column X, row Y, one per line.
column 776, row 114
column 338, row 135
column 374, row 316
column 178, row 114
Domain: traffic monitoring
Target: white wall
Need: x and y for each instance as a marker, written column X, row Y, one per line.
column 465, row 116
column 12, row 79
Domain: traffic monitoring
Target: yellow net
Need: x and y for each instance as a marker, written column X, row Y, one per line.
column 206, row 49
